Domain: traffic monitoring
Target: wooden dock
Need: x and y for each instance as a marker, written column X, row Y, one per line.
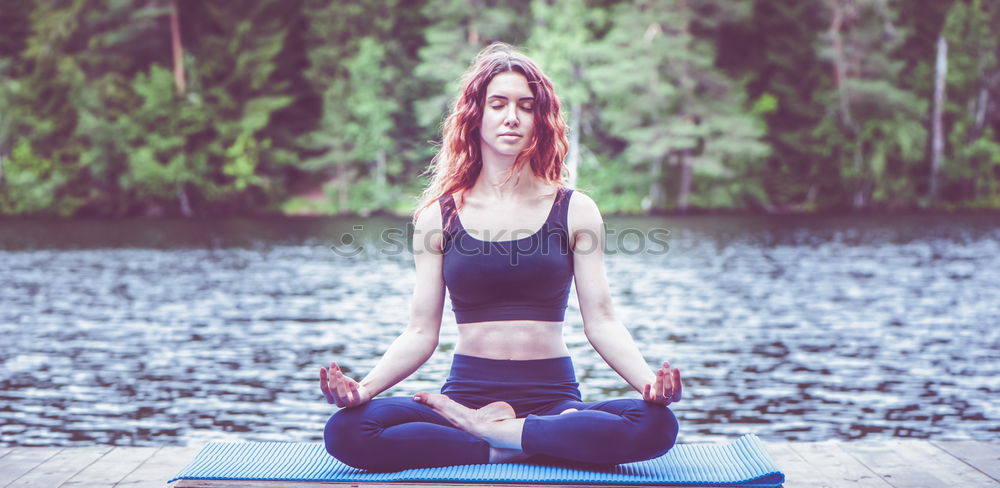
column 830, row 464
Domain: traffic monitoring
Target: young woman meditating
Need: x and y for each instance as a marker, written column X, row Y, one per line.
column 499, row 229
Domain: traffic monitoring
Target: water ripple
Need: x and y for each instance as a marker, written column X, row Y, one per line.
column 794, row 329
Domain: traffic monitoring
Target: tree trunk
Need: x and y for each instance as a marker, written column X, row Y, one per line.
column 177, row 48
column 342, row 188
column 381, row 180
column 840, row 66
column 473, row 32
column 840, row 76
column 655, row 197
column 937, row 129
column 685, row 184
column 982, row 106
column 573, row 158
column 182, row 197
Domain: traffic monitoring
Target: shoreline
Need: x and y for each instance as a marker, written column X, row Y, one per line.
column 707, row 212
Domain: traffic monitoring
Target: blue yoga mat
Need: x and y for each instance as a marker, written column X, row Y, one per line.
column 743, row 462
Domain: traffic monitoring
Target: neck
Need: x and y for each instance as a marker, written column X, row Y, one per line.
column 495, row 170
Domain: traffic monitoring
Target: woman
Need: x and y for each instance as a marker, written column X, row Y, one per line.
column 498, row 228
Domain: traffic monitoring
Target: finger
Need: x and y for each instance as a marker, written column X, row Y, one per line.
column 664, row 384
column 667, row 386
column 678, row 387
column 355, row 394
column 341, row 387
column 332, row 373
column 658, row 385
column 646, row 392
column 324, row 386
column 331, row 381
column 668, row 383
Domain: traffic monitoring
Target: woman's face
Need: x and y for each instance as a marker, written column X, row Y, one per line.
column 508, row 117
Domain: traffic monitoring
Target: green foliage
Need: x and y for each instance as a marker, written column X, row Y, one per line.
column 775, row 49
column 876, row 122
column 309, row 106
column 972, row 162
column 664, row 96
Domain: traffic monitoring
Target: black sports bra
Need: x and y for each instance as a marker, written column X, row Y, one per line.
column 521, row 279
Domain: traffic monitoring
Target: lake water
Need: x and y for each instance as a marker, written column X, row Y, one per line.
column 160, row 332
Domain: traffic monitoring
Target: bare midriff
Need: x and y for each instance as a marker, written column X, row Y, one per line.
column 512, row 339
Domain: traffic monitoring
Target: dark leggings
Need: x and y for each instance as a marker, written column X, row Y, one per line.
column 389, row 434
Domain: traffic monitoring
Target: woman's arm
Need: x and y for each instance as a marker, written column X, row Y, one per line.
column 420, row 338
column 606, row 333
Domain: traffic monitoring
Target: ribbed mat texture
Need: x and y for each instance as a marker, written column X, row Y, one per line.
column 744, row 462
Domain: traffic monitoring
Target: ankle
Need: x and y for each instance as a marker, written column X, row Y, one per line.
column 504, row 434
column 501, row 455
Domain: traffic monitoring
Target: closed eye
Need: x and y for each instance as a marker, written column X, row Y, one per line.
column 526, row 108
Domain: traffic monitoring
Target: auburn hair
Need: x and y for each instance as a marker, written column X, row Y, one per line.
column 458, row 161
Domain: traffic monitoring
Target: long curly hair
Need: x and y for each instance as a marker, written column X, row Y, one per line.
column 457, row 163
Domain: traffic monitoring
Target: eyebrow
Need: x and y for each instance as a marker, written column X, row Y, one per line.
column 505, row 98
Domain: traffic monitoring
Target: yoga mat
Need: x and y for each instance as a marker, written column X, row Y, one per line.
column 743, row 462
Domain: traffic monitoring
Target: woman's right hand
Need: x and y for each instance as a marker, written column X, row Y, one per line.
column 341, row 389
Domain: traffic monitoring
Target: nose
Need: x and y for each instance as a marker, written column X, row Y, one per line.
column 510, row 119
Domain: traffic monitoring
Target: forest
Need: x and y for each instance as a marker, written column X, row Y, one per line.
column 205, row 108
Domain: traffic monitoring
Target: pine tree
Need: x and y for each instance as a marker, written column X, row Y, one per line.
column 73, row 78
column 360, row 54
column 775, row 48
column 971, row 171
column 878, row 124
column 558, row 42
column 662, row 94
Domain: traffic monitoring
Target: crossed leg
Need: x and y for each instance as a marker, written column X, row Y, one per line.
column 494, row 423
column 432, row 430
column 391, row 434
column 608, row 432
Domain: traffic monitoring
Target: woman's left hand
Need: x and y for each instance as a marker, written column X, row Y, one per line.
column 667, row 387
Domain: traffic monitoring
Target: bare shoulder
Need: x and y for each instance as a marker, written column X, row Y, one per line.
column 427, row 231
column 583, row 211
column 584, row 220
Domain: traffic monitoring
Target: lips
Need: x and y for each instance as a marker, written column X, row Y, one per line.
column 510, row 134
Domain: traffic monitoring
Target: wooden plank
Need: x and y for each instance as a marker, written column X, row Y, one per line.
column 111, row 468
column 881, row 457
column 61, row 467
column 22, row 460
column 983, row 456
column 356, row 484
column 159, row 468
column 877, row 464
column 798, row 473
column 950, row 470
column 841, row 468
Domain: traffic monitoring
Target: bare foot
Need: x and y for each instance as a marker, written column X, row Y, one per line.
column 495, row 423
